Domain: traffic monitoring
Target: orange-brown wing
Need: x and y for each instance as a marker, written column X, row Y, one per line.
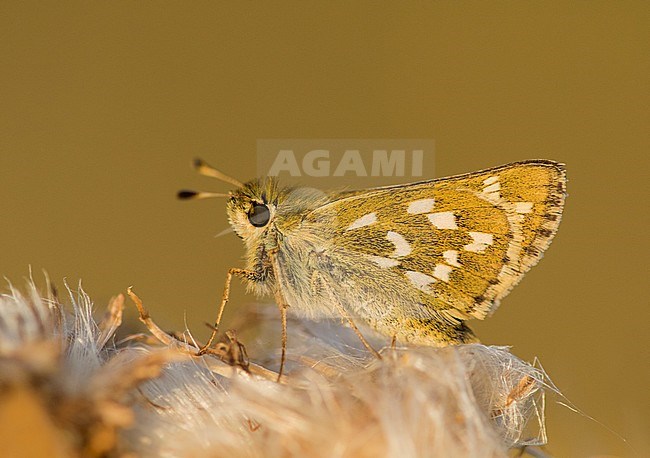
column 462, row 242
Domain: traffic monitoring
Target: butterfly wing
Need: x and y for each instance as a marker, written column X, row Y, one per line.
column 460, row 242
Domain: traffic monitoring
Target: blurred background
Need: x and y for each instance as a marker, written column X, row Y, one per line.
column 103, row 106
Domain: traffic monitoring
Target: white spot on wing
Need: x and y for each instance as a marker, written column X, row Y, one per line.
column 523, row 207
column 420, row 281
column 420, row 206
column 384, row 262
column 441, row 272
column 365, row 220
column 490, row 180
column 491, row 190
column 402, row 247
column 451, row 258
column 443, row 220
column 481, row 241
column 494, row 187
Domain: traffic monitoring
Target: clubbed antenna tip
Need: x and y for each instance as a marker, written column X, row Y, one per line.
column 193, row 195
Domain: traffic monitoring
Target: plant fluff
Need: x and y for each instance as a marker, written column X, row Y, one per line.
column 150, row 395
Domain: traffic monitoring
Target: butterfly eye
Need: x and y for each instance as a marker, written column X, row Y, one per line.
column 259, row 215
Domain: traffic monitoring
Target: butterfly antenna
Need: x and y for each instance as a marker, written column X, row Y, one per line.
column 209, row 171
column 196, row 195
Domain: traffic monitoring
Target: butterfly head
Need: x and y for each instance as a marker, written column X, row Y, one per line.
column 251, row 206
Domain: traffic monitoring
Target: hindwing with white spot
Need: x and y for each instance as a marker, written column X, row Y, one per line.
column 461, row 242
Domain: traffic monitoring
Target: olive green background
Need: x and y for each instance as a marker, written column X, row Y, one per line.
column 103, row 105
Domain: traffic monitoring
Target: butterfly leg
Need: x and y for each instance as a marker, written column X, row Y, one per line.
column 282, row 305
column 224, row 300
column 348, row 318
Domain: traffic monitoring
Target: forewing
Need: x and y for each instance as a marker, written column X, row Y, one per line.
column 463, row 242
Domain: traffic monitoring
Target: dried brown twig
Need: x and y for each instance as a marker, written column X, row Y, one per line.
column 232, row 352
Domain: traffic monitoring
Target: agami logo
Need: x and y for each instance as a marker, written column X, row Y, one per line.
column 345, row 158
column 324, row 163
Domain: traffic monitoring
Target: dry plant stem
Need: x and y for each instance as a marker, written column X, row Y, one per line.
column 166, row 339
column 254, row 369
column 161, row 335
column 112, row 319
column 224, row 300
column 524, row 387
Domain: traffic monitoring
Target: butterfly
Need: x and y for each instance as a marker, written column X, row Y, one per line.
column 413, row 261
